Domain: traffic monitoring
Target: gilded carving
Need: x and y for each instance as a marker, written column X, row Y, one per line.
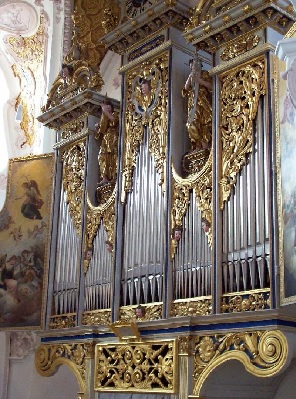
column 191, row 307
column 201, row 183
column 146, row 99
column 245, row 303
column 151, row 312
column 63, row 321
column 94, row 216
column 263, row 353
column 81, row 66
column 49, row 357
column 134, row 367
column 240, row 92
column 73, row 159
column 102, row 317
column 240, row 46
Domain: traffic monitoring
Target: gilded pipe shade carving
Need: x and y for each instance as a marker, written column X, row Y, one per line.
column 136, row 367
column 73, row 159
column 147, row 105
column 240, row 92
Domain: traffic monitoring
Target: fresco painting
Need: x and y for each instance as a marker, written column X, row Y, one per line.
column 24, row 238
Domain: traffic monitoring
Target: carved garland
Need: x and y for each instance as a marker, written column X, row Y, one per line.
column 262, row 353
column 73, row 159
column 154, row 116
column 240, row 92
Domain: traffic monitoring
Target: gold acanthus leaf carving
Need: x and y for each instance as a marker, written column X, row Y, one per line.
column 240, row 92
column 263, row 353
column 95, row 215
column 146, row 110
column 73, row 159
column 49, row 357
column 201, row 183
column 102, row 317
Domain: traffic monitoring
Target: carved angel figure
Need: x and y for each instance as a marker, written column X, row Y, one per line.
column 198, row 89
column 108, row 128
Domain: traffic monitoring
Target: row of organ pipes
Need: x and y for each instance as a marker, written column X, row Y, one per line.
column 245, row 241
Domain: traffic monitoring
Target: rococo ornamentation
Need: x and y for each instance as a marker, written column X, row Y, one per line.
column 151, row 312
column 262, row 353
column 192, row 307
column 101, row 317
column 146, row 101
column 240, row 46
column 49, row 357
column 149, row 366
column 245, row 303
column 240, row 92
column 73, row 159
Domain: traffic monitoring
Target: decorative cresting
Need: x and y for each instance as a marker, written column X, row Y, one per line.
column 94, row 215
column 202, row 183
column 136, row 367
column 262, row 353
column 29, row 67
column 146, row 108
column 240, row 92
column 73, row 159
column 49, row 357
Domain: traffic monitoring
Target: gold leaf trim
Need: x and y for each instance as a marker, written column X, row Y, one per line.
column 262, row 353
column 240, row 92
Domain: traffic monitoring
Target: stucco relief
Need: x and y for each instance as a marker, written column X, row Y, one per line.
column 18, row 18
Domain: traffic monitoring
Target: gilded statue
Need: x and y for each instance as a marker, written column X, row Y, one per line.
column 108, row 131
column 198, row 90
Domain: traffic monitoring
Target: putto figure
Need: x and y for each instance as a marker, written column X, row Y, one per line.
column 198, row 90
column 108, row 130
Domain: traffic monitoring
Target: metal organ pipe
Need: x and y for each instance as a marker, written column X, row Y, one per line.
column 245, row 218
column 144, row 229
column 192, row 263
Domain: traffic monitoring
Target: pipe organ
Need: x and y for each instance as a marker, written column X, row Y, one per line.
column 165, row 210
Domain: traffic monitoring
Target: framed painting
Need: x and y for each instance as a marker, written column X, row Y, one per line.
column 285, row 84
column 24, row 242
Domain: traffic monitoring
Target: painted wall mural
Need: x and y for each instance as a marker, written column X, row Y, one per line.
column 24, row 235
column 286, row 140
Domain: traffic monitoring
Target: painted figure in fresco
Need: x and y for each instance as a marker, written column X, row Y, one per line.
column 108, row 130
column 198, row 90
column 32, row 202
column 289, row 112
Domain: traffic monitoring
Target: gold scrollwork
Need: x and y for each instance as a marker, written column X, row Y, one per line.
column 201, row 183
column 252, row 302
column 73, row 159
column 146, row 108
column 94, row 216
column 49, row 357
column 240, row 92
column 134, row 367
column 263, row 353
column 240, row 46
